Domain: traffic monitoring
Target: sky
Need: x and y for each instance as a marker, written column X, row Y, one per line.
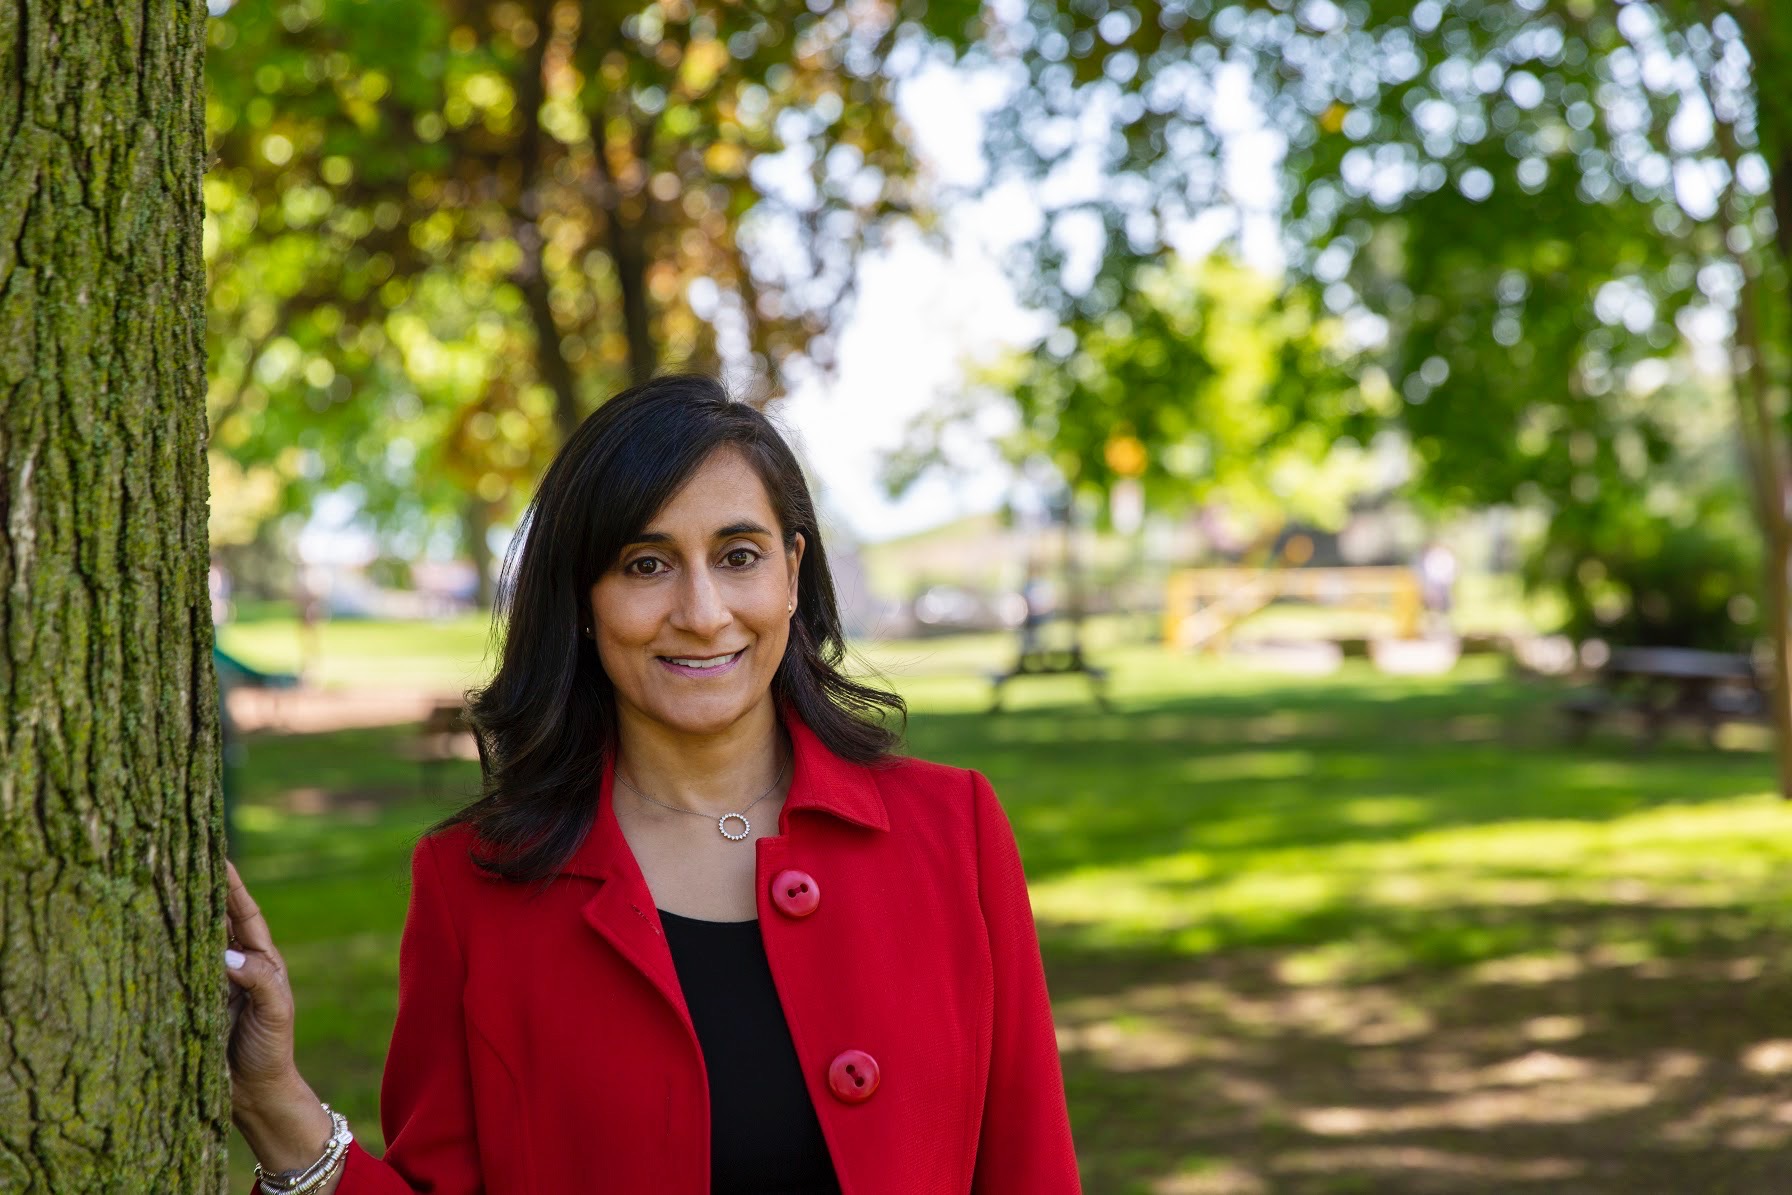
column 929, row 307
column 926, row 308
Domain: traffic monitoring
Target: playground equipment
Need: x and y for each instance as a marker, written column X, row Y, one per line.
column 1203, row 606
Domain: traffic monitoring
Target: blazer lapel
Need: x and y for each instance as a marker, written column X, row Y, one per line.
column 823, row 782
column 622, row 910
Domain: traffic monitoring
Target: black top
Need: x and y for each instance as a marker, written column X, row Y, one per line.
column 764, row 1138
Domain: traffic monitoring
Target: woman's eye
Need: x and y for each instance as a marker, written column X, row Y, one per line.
column 741, row 557
column 646, row 566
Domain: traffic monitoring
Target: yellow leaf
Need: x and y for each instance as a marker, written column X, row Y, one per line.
column 724, row 159
column 702, row 66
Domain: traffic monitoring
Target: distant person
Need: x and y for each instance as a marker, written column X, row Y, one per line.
column 1035, row 596
column 704, row 931
column 1437, row 585
column 218, row 582
column 308, row 604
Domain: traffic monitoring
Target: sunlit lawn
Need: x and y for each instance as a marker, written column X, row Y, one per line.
column 446, row 654
column 1348, row 934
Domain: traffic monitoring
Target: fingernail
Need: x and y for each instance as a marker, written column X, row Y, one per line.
column 234, row 959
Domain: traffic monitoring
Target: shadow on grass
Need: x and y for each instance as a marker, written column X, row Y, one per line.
column 1607, row 1067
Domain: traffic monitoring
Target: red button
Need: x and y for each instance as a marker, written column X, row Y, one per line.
column 795, row 893
column 853, row 1076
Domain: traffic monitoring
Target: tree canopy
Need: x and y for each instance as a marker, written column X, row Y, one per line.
column 439, row 233
column 1529, row 201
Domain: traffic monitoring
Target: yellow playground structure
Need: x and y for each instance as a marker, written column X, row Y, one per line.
column 1202, row 606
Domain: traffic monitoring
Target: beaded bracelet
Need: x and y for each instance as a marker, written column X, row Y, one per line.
column 310, row 1178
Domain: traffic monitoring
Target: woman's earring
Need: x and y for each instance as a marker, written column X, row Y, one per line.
column 587, row 632
column 790, row 609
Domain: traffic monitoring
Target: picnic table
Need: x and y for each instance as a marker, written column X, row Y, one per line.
column 1661, row 685
column 1050, row 661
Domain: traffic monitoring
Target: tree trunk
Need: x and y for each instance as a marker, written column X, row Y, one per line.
column 112, row 990
column 629, row 252
column 550, row 359
column 1761, row 419
column 475, row 523
column 1765, row 447
column 551, row 365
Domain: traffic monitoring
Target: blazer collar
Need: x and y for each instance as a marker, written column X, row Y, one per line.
column 820, row 781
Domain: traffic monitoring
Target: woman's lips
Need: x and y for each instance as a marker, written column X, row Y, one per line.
column 700, row 673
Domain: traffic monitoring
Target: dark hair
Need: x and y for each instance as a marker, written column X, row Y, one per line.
column 547, row 719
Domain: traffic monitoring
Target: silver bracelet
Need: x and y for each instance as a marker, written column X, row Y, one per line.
column 308, row 1179
column 317, row 1182
column 314, row 1176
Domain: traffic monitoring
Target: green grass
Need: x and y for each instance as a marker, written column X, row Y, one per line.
column 442, row 654
column 1347, row 934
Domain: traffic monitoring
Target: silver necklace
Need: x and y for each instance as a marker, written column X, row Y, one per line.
column 746, row 827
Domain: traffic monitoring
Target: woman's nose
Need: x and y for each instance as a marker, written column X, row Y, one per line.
column 701, row 608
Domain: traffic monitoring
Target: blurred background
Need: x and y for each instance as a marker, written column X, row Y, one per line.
column 1325, row 460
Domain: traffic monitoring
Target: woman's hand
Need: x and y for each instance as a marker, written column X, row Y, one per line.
column 277, row 1112
column 261, row 1014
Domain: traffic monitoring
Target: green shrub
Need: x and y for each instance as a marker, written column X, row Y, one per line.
column 1636, row 578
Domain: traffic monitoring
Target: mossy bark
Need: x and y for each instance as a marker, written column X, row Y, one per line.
column 112, row 993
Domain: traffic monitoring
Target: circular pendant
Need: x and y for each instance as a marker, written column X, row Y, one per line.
column 746, row 827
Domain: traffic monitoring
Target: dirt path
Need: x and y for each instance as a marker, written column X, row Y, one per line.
column 314, row 711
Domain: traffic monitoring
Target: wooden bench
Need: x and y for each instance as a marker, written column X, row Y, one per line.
column 437, row 740
column 1662, row 685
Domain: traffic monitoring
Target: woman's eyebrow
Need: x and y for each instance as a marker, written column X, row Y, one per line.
column 743, row 527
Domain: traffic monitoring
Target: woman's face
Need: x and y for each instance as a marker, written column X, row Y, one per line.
column 691, row 621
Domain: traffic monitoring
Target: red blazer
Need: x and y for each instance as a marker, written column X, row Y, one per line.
column 543, row 1046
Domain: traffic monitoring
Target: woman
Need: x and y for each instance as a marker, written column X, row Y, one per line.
column 703, row 931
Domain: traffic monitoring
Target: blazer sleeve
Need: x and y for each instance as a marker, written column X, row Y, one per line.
column 426, row 1096
column 1024, row 1143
